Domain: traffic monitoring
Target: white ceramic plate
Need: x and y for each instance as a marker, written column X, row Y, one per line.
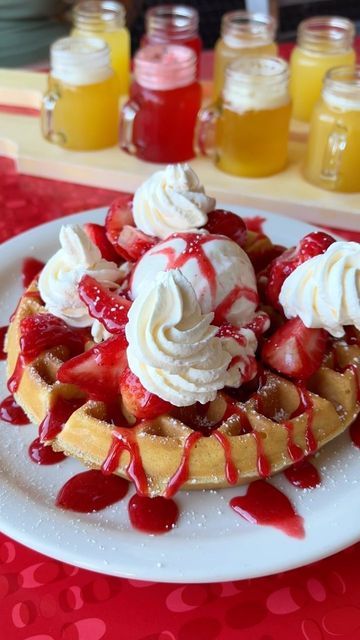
column 211, row 542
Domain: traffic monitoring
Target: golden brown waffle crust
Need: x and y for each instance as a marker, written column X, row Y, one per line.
column 88, row 437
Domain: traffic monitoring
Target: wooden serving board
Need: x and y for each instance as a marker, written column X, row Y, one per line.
column 287, row 192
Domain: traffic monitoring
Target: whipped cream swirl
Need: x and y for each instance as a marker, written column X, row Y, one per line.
column 172, row 345
column 325, row 290
column 172, row 200
column 61, row 275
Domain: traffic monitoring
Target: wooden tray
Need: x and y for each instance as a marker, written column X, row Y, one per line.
column 287, row 192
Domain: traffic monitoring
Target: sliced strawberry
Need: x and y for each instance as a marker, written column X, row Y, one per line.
column 311, row 245
column 97, row 235
column 44, row 331
column 97, row 371
column 137, row 400
column 119, row 214
column 228, row 224
column 294, row 350
column 133, row 243
column 30, row 269
column 109, row 308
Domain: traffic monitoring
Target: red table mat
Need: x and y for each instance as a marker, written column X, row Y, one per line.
column 43, row 599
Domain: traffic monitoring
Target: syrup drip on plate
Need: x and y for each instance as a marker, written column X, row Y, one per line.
column 57, row 416
column 44, row 454
column 31, row 267
column 303, row 475
column 12, row 413
column 3, row 332
column 153, row 515
column 91, row 491
column 265, row 505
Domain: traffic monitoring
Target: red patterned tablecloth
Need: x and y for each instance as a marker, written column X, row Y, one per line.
column 43, row 599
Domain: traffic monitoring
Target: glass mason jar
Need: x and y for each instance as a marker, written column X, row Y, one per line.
column 322, row 43
column 333, row 151
column 173, row 24
column 158, row 122
column 105, row 19
column 246, row 131
column 80, row 109
column 242, row 33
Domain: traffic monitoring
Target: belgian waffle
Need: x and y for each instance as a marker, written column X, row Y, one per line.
column 277, row 425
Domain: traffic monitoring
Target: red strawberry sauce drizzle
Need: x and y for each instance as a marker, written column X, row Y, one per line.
column 91, row 491
column 58, row 414
column 265, row 505
column 237, row 292
column 181, row 475
column 306, row 406
column 3, row 332
column 44, row 454
column 124, row 439
column 11, row 412
column 231, row 471
column 194, row 244
column 295, row 452
column 303, row 475
column 153, row 515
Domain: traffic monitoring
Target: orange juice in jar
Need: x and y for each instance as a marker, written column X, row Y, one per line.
column 333, row 152
column 322, row 43
column 246, row 131
column 80, row 109
column 242, row 34
column 105, row 19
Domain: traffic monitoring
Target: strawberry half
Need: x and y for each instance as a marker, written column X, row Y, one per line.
column 109, row 308
column 119, row 214
column 226, row 223
column 97, row 371
column 137, row 400
column 44, row 331
column 311, row 245
column 295, row 350
column 133, row 243
column 97, row 235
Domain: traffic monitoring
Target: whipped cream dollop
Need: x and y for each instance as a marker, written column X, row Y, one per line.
column 219, row 271
column 325, row 290
column 171, row 200
column 61, row 275
column 173, row 348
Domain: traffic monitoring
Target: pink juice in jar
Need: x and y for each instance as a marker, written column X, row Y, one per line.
column 158, row 121
column 173, row 24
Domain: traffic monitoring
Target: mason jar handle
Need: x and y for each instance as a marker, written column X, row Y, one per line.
column 335, row 147
column 205, row 130
column 126, row 137
column 49, row 103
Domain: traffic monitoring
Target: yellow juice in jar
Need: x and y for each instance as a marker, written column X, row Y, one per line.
column 119, row 45
column 307, row 73
column 333, row 152
column 253, row 143
column 323, row 42
column 242, row 34
column 224, row 55
column 86, row 116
